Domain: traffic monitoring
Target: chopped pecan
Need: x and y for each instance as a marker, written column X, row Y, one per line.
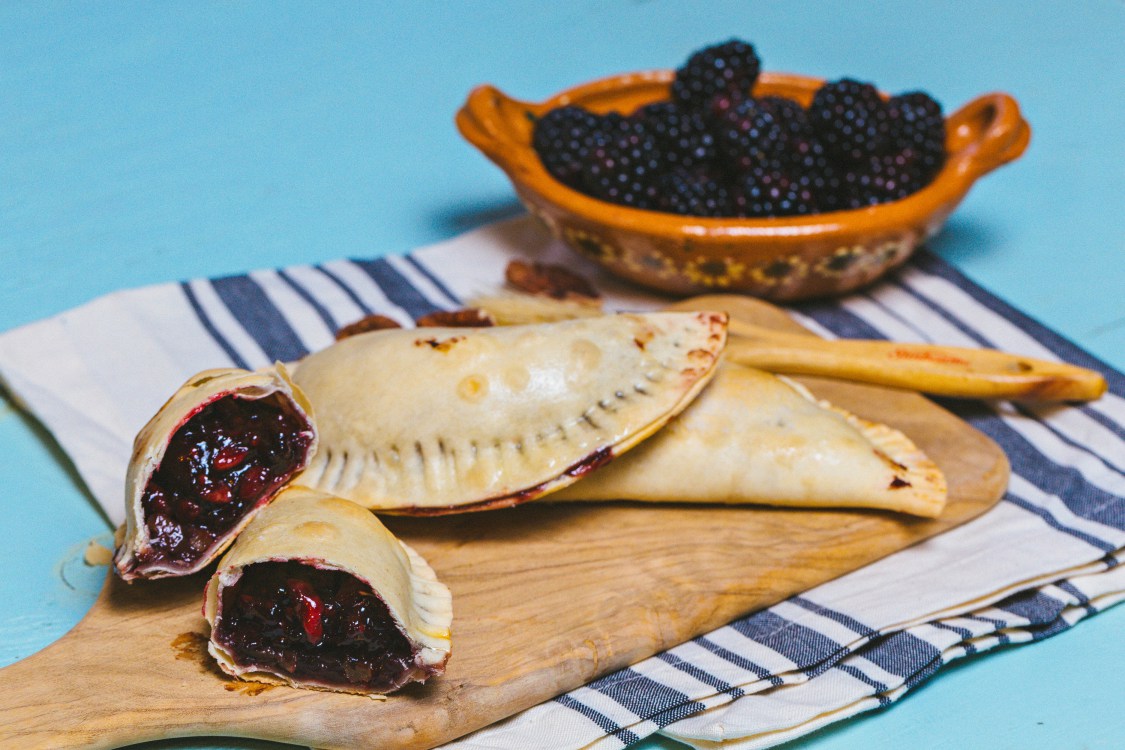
column 469, row 317
column 366, row 324
column 549, row 280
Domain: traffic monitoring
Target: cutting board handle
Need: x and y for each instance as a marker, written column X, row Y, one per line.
column 55, row 712
column 81, row 691
column 61, row 697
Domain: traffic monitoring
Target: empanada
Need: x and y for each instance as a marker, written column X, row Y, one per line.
column 317, row 593
column 752, row 437
column 217, row 451
column 440, row 420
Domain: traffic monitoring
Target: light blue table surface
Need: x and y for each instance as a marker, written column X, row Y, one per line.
column 145, row 142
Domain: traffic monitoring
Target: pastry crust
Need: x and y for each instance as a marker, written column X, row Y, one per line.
column 152, row 441
column 752, row 437
column 331, row 533
column 440, row 420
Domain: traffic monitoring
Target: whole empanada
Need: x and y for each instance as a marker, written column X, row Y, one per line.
column 752, row 437
column 440, row 420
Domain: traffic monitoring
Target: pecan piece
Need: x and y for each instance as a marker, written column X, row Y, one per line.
column 549, row 280
column 366, row 324
column 469, row 317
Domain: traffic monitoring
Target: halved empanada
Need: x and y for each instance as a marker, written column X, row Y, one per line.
column 752, row 437
column 443, row 420
column 217, row 451
column 317, row 593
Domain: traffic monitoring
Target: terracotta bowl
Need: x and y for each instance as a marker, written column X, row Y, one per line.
column 788, row 258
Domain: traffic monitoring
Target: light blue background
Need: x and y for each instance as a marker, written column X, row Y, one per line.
column 146, row 142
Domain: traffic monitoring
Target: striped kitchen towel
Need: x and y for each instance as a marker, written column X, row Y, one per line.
column 1042, row 559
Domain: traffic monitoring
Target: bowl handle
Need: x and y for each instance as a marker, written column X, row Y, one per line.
column 986, row 133
column 496, row 124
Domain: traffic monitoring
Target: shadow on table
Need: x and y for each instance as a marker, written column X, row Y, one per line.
column 962, row 238
column 470, row 215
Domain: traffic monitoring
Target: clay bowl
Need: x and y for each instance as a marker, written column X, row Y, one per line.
column 779, row 259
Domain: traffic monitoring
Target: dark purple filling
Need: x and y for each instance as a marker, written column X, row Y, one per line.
column 323, row 626
column 229, row 456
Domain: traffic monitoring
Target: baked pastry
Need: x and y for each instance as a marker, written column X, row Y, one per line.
column 753, row 437
column 212, row 456
column 317, row 593
column 440, row 420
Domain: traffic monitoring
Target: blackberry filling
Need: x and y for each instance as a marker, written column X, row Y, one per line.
column 229, row 457
column 314, row 625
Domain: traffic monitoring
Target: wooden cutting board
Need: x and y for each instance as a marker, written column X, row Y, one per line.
column 546, row 598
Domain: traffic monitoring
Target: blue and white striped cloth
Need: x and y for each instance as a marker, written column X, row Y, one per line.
column 1040, row 561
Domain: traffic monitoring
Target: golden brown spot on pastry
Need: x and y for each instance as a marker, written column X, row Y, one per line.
column 587, row 355
column 517, row 377
column 337, row 505
column 317, row 530
column 643, row 339
column 473, row 388
column 895, row 465
column 714, row 319
column 701, row 355
column 441, row 345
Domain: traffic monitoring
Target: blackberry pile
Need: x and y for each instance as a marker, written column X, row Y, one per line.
column 714, row 150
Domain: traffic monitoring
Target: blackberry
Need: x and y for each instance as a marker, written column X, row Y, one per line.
column 818, row 176
column 900, row 174
column 879, row 179
column 794, row 119
column 769, row 191
column 850, row 118
column 729, row 69
column 807, row 156
column 623, row 164
column 749, row 135
column 885, row 178
column 682, row 137
column 694, row 193
column 562, row 140
column 916, row 124
column 656, row 111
